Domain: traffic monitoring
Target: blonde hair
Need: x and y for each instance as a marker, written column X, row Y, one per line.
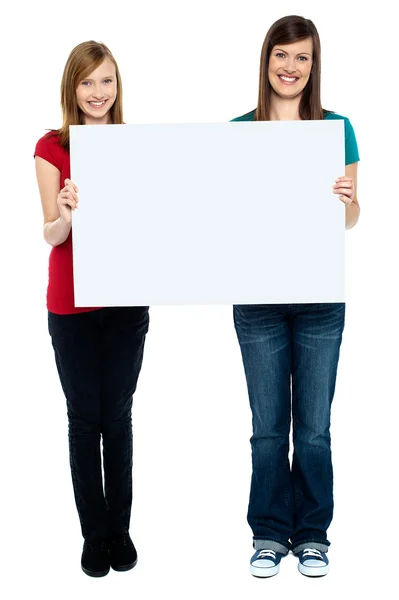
column 82, row 61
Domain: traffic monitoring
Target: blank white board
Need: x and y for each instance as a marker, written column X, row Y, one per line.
column 221, row 213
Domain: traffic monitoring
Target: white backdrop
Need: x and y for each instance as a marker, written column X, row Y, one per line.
column 195, row 61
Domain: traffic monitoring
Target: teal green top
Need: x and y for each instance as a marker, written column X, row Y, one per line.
column 351, row 150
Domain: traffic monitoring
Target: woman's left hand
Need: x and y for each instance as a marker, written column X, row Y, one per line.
column 344, row 186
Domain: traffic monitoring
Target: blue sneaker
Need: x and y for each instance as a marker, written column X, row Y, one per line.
column 265, row 563
column 313, row 563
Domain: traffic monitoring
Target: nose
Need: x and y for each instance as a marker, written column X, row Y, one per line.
column 290, row 65
column 97, row 92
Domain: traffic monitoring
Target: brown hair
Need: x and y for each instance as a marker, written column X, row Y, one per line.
column 82, row 61
column 287, row 31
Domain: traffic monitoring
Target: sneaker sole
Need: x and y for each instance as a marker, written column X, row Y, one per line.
column 264, row 571
column 95, row 573
column 125, row 567
column 313, row 571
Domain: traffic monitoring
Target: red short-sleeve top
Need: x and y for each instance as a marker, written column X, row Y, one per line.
column 60, row 291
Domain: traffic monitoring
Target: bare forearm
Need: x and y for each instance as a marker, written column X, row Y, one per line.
column 56, row 232
column 351, row 215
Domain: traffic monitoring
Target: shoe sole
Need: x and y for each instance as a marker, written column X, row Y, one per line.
column 95, row 573
column 264, row 571
column 125, row 567
column 313, row 571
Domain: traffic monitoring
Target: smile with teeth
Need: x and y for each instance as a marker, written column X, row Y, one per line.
column 97, row 104
column 288, row 80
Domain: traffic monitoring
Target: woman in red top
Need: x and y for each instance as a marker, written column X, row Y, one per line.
column 98, row 351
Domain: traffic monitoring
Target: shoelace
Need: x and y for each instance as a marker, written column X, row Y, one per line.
column 101, row 547
column 312, row 552
column 266, row 553
column 119, row 540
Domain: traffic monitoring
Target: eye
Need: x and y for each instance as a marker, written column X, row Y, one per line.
column 280, row 54
column 84, row 82
column 303, row 58
column 105, row 80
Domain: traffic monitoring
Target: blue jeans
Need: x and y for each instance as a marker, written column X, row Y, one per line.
column 290, row 350
column 99, row 356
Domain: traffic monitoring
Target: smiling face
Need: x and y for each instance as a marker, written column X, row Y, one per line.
column 289, row 67
column 97, row 93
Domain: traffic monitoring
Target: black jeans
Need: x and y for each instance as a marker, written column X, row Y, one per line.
column 99, row 356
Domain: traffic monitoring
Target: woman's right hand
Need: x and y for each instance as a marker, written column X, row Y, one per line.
column 67, row 200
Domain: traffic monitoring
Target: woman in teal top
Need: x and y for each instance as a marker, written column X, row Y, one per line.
column 290, row 351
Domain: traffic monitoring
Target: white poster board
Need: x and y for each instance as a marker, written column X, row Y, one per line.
column 222, row 213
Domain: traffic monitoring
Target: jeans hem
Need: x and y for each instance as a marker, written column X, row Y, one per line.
column 322, row 546
column 270, row 545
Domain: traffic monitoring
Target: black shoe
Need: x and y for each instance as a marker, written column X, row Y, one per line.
column 122, row 553
column 95, row 559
